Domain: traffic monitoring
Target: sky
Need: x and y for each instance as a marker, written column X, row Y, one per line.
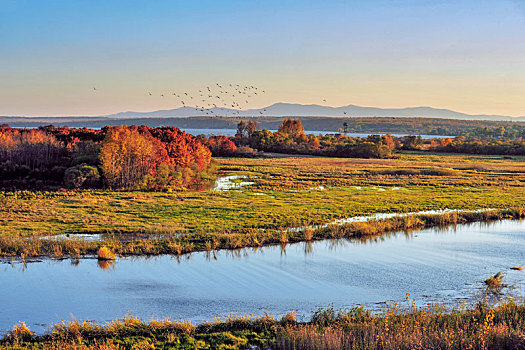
column 468, row 56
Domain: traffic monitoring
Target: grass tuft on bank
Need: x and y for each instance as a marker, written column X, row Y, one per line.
column 398, row 327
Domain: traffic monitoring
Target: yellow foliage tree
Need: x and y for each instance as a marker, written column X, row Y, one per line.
column 126, row 157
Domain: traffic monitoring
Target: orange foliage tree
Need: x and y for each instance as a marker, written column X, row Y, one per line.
column 30, row 147
column 291, row 127
column 143, row 157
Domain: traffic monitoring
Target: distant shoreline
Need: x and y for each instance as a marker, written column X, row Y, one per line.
column 357, row 126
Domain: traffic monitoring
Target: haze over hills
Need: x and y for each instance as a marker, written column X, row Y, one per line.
column 275, row 110
column 313, row 110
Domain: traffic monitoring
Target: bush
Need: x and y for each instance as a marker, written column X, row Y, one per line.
column 104, row 253
column 19, row 333
column 82, row 175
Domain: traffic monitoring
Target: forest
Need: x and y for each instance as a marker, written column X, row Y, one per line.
column 166, row 158
column 113, row 157
column 151, row 158
column 290, row 138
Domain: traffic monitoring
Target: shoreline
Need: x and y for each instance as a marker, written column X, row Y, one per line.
column 36, row 247
column 403, row 325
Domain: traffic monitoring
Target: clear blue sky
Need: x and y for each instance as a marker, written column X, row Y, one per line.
column 464, row 55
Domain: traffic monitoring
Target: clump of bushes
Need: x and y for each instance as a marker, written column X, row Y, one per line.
column 82, row 176
column 291, row 138
column 495, row 283
column 19, row 333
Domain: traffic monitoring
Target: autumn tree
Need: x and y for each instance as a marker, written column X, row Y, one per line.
column 292, row 128
column 245, row 131
column 219, row 145
column 182, row 149
column 412, row 142
column 126, row 157
column 30, row 147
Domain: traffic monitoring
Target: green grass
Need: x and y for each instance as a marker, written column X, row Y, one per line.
column 286, row 193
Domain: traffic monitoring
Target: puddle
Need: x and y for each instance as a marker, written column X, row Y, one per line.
column 231, row 182
column 384, row 216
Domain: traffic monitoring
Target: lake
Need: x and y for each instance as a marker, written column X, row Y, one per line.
column 231, row 132
column 432, row 265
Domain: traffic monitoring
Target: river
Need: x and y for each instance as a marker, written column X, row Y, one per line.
column 433, row 265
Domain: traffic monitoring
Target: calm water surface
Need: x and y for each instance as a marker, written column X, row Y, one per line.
column 432, row 265
column 232, row 132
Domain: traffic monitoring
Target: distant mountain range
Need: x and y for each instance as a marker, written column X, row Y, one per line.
column 275, row 110
column 299, row 110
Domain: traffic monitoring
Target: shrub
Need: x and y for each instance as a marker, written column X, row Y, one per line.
column 104, row 253
column 20, row 332
column 81, row 175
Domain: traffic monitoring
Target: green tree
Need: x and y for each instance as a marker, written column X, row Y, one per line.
column 82, row 175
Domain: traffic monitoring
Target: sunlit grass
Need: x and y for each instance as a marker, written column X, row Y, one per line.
column 399, row 326
column 286, row 193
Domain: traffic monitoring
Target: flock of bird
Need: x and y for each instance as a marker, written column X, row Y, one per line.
column 218, row 98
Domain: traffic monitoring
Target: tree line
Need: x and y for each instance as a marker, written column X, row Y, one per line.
column 113, row 157
column 291, row 138
column 474, row 145
column 363, row 125
column 167, row 158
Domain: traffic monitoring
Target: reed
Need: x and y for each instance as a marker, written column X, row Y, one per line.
column 405, row 326
column 495, row 283
column 19, row 247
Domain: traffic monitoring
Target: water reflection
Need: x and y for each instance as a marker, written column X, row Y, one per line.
column 106, row 264
column 434, row 265
column 308, row 248
column 333, row 245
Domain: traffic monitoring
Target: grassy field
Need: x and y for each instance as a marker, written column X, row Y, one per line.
column 397, row 327
column 287, row 192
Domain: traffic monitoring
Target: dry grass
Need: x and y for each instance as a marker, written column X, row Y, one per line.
column 398, row 327
column 18, row 247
